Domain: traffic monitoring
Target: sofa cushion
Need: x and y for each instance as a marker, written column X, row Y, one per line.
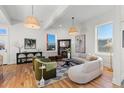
column 91, row 57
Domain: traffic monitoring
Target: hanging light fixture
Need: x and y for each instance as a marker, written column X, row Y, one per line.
column 32, row 22
column 72, row 29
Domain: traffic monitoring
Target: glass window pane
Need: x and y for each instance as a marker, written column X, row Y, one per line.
column 50, row 42
column 104, row 37
column 3, row 31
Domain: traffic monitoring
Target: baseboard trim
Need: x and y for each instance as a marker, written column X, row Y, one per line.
column 116, row 82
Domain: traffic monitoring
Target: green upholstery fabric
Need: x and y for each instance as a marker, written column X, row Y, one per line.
column 50, row 66
column 48, row 72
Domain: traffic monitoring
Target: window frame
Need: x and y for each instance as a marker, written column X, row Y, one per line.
column 96, row 38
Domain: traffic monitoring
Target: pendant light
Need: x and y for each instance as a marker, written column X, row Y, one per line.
column 31, row 21
column 72, row 29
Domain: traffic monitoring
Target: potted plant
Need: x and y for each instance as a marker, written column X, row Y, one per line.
column 19, row 46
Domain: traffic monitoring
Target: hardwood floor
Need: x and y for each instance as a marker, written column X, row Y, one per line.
column 17, row 76
column 22, row 76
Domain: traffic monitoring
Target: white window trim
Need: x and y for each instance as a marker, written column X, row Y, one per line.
column 96, row 38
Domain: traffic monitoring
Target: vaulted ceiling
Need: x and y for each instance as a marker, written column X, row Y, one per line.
column 52, row 15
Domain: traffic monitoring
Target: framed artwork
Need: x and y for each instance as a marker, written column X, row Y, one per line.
column 64, row 43
column 51, row 42
column 29, row 43
column 80, row 46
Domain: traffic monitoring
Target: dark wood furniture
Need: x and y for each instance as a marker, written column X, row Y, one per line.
column 67, row 62
column 27, row 57
column 70, row 62
column 55, row 58
column 63, row 45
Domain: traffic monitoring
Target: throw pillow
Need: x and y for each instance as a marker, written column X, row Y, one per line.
column 91, row 57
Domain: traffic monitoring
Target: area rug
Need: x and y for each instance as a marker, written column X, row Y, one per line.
column 61, row 73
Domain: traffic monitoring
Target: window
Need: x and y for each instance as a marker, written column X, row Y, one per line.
column 51, row 42
column 104, row 38
column 3, row 31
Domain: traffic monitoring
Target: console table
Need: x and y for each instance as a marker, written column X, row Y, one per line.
column 26, row 57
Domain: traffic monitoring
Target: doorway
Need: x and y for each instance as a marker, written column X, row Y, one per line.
column 4, row 45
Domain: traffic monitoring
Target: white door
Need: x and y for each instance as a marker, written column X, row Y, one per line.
column 4, row 45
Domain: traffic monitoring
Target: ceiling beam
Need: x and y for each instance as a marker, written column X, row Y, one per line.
column 4, row 14
column 59, row 11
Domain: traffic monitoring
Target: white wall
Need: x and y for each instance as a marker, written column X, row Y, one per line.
column 117, row 47
column 117, row 17
column 88, row 28
column 122, row 52
column 122, row 49
column 18, row 32
column 62, row 33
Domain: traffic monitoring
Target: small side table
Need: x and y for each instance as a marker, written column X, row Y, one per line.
column 67, row 62
column 42, row 81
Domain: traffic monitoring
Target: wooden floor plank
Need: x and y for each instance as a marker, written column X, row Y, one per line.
column 22, row 76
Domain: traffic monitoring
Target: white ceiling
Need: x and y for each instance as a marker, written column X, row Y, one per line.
column 82, row 13
column 20, row 12
column 54, row 15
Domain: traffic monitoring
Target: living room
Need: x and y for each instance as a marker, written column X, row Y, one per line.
column 55, row 22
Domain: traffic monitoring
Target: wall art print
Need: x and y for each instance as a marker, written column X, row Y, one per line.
column 80, row 43
column 29, row 43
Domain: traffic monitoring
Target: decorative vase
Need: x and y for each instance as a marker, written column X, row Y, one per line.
column 19, row 50
column 69, row 55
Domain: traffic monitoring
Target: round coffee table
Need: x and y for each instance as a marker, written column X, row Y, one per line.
column 67, row 62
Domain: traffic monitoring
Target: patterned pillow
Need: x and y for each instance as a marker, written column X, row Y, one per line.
column 91, row 58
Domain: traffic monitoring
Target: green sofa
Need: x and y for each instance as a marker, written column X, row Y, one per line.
column 49, row 71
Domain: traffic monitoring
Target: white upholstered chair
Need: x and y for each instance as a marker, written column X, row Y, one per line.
column 86, row 72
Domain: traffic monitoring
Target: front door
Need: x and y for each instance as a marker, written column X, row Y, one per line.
column 4, row 46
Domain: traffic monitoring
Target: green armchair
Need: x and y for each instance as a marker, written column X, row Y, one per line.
column 48, row 72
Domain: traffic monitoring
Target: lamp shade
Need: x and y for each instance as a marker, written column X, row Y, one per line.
column 32, row 22
column 72, row 30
